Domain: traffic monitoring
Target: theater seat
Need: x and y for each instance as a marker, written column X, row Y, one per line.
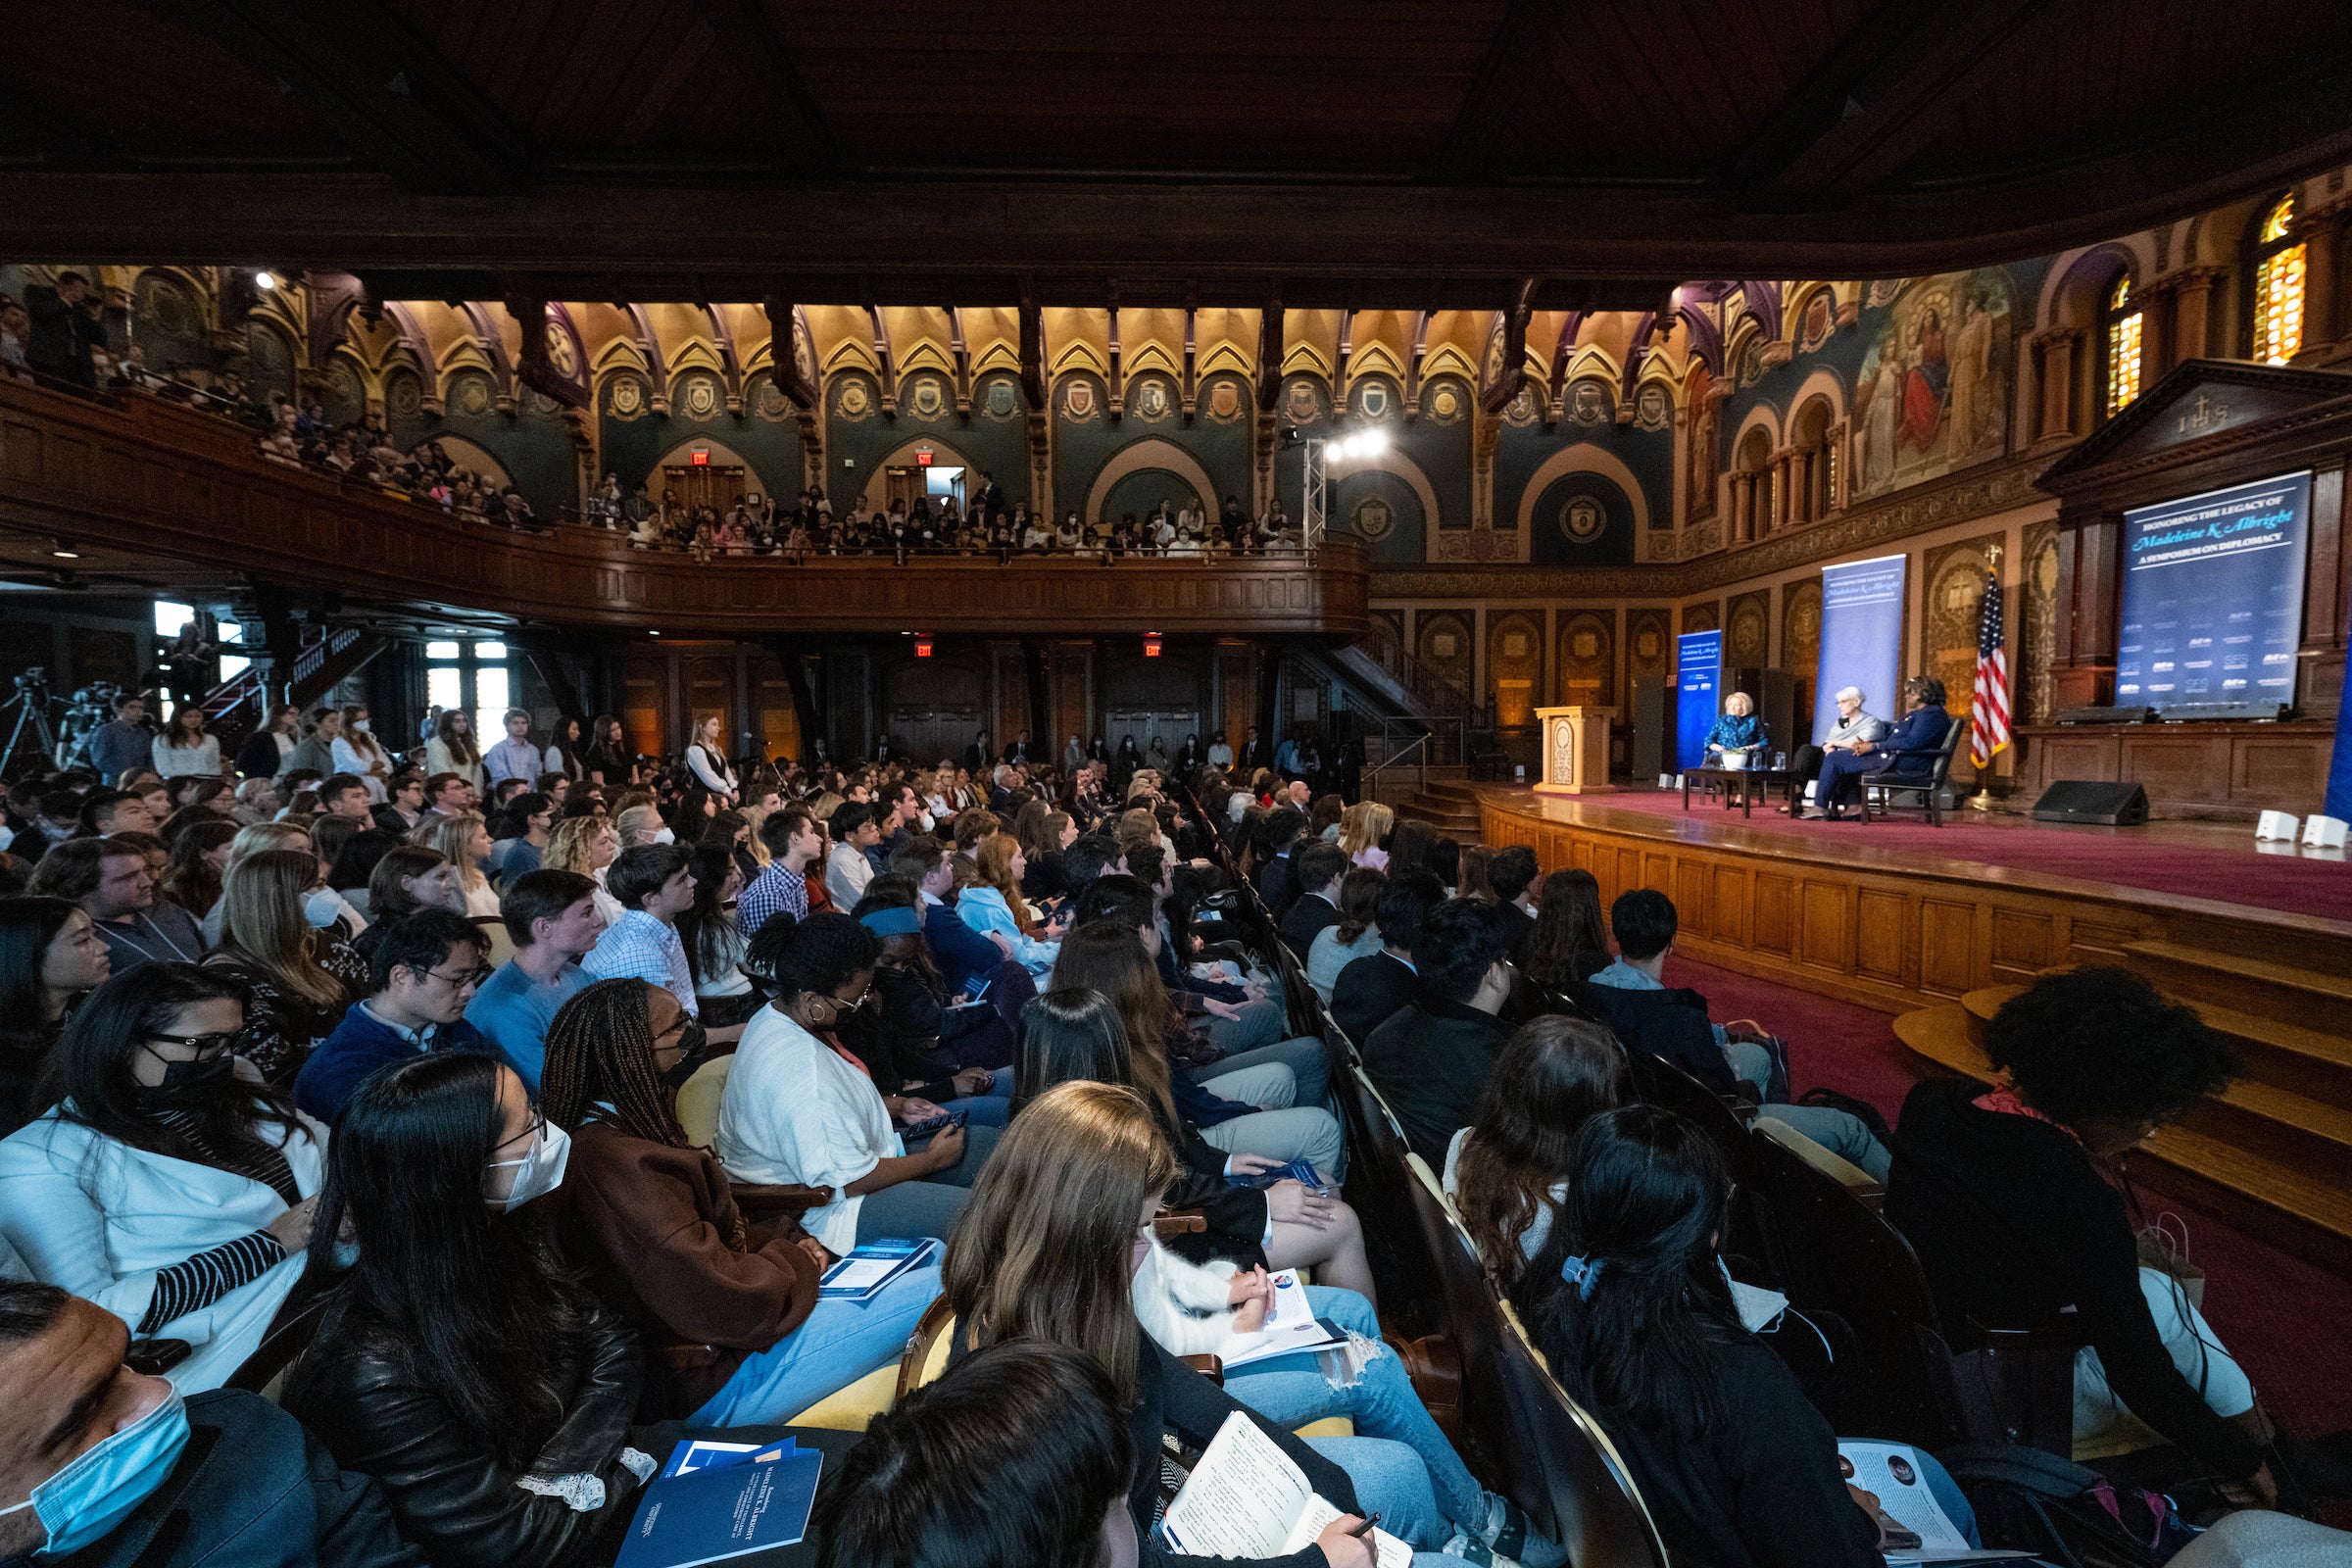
column 697, row 1100
column 853, row 1408
column 1848, row 1174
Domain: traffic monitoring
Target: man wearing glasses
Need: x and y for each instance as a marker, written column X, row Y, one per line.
column 427, row 966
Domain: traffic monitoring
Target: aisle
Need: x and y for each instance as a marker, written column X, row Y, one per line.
column 2286, row 1321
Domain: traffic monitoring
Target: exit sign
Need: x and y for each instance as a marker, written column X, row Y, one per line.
column 922, row 457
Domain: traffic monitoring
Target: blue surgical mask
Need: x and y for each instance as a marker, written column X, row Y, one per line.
column 87, row 1499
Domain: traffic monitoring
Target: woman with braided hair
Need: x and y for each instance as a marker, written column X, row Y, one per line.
column 726, row 1303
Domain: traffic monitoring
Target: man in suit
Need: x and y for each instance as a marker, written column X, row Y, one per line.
column 1018, row 751
column 1372, row 989
column 1319, row 867
column 1277, row 884
column 1510, row 873
column 1431, row 1061
column 1906, row 754
column 1255, row 753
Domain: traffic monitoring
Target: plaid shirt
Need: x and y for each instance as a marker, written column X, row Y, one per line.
column 777, row 889
column 639, row 947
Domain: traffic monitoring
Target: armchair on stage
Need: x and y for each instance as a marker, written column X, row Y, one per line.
column 1575, row 749
column 1930, row 790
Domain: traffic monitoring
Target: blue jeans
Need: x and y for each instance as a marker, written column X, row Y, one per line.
column 1948, row 1497
column 1841, row 1132
column 837, row 1343
column 1309, row 1061
column 993, row 1109
column 1291, row 1391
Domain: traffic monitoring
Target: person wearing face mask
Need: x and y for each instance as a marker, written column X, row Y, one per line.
column 113, row 1468
column 169, row 1184
column 425, row 969
column 459, row 1363
column 553, row 919
column 725, row 1298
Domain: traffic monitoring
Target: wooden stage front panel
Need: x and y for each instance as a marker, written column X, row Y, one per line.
column 1893, row 932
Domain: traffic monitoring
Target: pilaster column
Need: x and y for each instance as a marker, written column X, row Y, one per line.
column 2322, row 277
column 2056, row 348
column 2193, row 309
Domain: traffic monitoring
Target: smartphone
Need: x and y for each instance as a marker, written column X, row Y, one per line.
column 935, row 1124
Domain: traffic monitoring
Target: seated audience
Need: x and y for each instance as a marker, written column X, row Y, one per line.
column 103, row 1466
column 354, row 865
column 725, row 1301
column 423, row 970
column 1240, row 1106
column 1507, row 1170
column 1355, row 934
column 1319, row 868
column 1058, row 1227
column 168, row 1184
column 112, row 882
column 1019, row 1457
column 1372, row 990
column 550, row 917
column 587, row 844
column 1363, row 828
column 1510, row 873
column 653, row 885
column 1628, row 1301
column 853, row 831
column 459, row 1363
column 724, row 999
column 297, row 980
column 463, row 839
column 50, row 960
column 1631, row 996
column 965, row 957
column 795, row 842
column 1431, row 1061
column 1569, row 943
column 994, row 906
column 2003, row 1193
column 911, row 1038
column 800, row 1108
column 199, row 858
column 1278, row 835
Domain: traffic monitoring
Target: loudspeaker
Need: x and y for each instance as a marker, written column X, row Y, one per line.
column 2078, row 800
column 1649, row 726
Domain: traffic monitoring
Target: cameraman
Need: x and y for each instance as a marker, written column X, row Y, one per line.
column 126, row 743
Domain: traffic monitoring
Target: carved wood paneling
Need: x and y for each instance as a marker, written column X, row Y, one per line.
column 2213, row 769
column 1889, row 939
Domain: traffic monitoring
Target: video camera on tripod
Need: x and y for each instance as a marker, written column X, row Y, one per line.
column 32, row 701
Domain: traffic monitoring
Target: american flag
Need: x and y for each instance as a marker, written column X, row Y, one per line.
column 1988, row 709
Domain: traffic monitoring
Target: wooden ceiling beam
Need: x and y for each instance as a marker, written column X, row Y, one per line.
column 1486, row 106
column 386, row 95
column 794, row 126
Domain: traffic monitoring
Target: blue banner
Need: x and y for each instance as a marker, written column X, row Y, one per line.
column 2212, row 596
column 1861, row 638
column 1699, row 675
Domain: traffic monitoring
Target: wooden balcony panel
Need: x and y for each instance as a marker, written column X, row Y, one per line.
column 142, row 475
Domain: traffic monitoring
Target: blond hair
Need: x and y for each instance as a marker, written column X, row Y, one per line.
column 753, row 815
column 262, row 922
column 259, row 836
column 450, row 835
column 571, row 846
column 1363, row 826
column 635, row 820
column 1041, row 1252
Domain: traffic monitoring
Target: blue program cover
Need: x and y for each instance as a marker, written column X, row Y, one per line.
column 728, row 1511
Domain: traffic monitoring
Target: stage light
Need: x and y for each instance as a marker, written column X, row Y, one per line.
column 264, row 280
column 653, row 633
column 1372, row 443
column 1339, row 448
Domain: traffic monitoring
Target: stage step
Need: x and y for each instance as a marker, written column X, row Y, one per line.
column 2291, row 993
column 1448, row 808
column 2292, row 1192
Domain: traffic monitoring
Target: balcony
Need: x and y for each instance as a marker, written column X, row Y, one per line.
column 163, row 492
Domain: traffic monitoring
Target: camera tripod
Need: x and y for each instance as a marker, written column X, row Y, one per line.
column 35, row 713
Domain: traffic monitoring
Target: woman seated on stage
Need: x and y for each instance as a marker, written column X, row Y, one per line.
column 1739, row 730
column 2004, row 1193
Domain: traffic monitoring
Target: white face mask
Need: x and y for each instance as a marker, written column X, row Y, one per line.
column 542, row 1169
column 360, row 724
column 664, row 835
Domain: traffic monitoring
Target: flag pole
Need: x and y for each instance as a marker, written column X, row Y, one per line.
column 1982, row 801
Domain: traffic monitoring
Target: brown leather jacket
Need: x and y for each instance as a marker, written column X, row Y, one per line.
column 704, row 1283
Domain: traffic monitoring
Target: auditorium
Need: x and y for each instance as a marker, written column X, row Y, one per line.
column 1667, row 681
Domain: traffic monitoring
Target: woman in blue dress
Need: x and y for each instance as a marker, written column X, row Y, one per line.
column 1739, row 729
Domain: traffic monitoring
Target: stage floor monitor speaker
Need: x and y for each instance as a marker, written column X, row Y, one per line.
column 2076, row 800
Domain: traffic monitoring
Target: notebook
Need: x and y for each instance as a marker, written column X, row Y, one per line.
column 1246, row 1498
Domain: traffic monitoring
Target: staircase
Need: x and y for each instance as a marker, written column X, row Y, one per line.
column 327, row 660
column 2272, row 1153
column 1448, row 807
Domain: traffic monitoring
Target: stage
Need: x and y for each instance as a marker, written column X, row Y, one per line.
column 1938, row 925
column 1899, row 915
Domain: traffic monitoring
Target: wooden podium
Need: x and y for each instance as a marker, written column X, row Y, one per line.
column 1575, row 749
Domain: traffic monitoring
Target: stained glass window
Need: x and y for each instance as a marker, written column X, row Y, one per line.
column 2279, row 260
column 2123, row 321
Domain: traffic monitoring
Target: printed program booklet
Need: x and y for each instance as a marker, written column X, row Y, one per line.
column 716, row 1500
column 862, row 1272
column 1291, row 1327
column 1891, row 1473
column 1246, row 1498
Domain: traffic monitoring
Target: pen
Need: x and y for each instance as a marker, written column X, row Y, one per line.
column 1365, row 1529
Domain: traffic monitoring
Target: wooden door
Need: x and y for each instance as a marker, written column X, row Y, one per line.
column 705, row 485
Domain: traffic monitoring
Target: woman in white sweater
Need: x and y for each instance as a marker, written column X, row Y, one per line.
column 171, row 1186
column 183, row 748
